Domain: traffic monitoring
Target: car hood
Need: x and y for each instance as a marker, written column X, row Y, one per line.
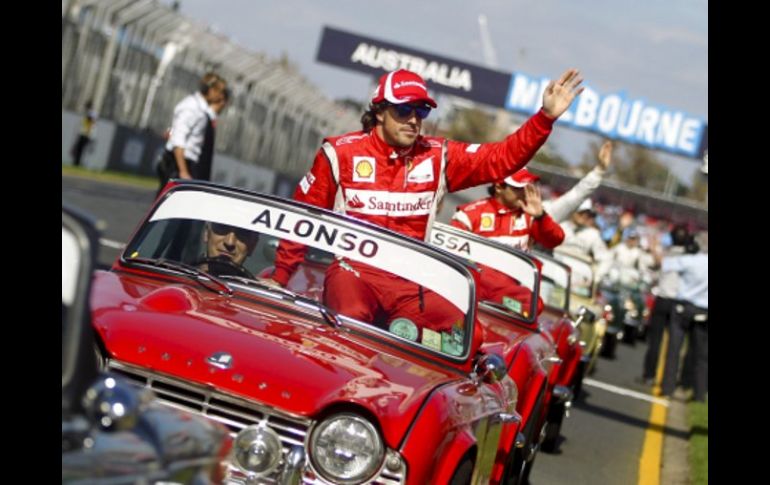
column 278, row 355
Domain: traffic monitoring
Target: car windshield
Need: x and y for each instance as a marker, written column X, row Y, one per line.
column 508, row 278
column 350, row 272
column 555, row 283
column 582, row 274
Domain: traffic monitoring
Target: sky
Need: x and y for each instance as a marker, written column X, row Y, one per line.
column 651, row 49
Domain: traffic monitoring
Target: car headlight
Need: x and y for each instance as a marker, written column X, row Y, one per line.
column 346, row 448
column 257, row 450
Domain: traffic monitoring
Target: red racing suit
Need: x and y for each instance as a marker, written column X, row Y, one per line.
column 362, row 176
column 489, row 218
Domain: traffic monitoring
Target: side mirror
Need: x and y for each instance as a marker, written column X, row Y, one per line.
column 583, row 315
column 491, row 368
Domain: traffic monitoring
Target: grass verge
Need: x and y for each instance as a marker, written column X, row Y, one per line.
column 111, row 176
column 699, row 442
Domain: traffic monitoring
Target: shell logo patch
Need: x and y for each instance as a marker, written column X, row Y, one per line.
column 487, row 221
column 363, row 169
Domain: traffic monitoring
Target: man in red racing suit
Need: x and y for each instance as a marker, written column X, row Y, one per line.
column 512, row 215
column 390, row 175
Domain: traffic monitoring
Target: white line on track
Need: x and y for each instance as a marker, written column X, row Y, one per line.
column 111, row 244
column 625, row 392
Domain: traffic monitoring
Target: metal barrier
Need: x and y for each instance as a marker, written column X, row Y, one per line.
column 136, row 59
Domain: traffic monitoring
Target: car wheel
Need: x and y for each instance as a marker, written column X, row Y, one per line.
column 527, row 470
column 577, row 385
column 464, row 472
column 514, row 469
column 553, row 428
column 577, row 390
column 519, row 462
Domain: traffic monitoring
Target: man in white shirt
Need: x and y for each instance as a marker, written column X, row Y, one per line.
column 627, row 263
column 665, row 298
column 690, row 316
column 582, row 236
column 190, row 147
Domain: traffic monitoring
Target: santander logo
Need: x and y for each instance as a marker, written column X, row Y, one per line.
column 400, row 84
column 355, row 203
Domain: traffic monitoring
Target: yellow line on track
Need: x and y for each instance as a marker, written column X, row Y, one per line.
column 652, row 449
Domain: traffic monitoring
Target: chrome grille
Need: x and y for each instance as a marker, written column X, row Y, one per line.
column 235, row 413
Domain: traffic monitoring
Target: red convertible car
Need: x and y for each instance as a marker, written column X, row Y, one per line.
column 112, row 432
column 510, row 312
column 556, row 320
column 312, row 394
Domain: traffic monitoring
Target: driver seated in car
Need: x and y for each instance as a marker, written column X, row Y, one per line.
column 387, row 300
column 498, row 287
column 227, row 248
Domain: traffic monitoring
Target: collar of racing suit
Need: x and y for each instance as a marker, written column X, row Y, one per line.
column 500, row 208
column 391, row 152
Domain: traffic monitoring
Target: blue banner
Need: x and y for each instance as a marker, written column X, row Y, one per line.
column 376, row 57
column 618, row 116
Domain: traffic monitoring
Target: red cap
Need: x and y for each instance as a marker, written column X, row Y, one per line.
column 402, row 86
column 522, row 178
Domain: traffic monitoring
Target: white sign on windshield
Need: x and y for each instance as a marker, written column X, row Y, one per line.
column 322, row 233
column 502, row 260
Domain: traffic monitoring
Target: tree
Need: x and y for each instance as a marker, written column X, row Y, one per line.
column 636, row 165
column 591, row 156
column 549, row 157
column 472, row 125
column 700, row 187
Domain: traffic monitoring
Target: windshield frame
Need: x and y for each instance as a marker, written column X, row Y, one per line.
column 548, row 262
column 582, row 260
column 489, row 244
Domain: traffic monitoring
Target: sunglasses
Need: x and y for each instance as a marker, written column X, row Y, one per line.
column 224, row 230
column 405, row 110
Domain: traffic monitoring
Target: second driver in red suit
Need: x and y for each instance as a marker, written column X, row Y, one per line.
column 513, row 214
